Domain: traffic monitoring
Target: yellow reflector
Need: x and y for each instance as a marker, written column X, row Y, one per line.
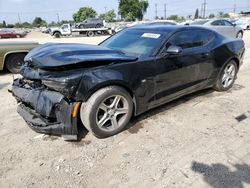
column 75, row 110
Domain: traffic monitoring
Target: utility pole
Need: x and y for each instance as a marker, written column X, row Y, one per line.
column 19, row 18
column 204, row 11
column 234, row 10
column 105, row 8
column 201, row 12
column 58, row 18
column 156, row 12
column 165, row 11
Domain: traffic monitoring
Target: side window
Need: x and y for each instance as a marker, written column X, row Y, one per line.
column 191, row 39
column 226, row 23
column 218, row 23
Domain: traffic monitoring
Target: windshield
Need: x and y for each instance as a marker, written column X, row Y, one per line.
column 135, row 42
column 202, row 22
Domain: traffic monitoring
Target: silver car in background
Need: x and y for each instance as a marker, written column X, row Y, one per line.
column 222, row 26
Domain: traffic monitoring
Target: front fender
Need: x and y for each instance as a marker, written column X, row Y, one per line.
column 94, row 80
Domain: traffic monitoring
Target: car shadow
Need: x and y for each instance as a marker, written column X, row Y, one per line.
column 135, row 124
column 221, row 176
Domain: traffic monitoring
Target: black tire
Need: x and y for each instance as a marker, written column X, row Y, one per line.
column 90, row 110
column 14, row 62
column 239, row 35
column 220, row 84
column 90, row 33
column 81, row 26
column 98, row 26
column 57, row 35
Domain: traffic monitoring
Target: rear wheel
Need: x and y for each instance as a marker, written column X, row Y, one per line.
column 90, row 33
column 226, row 77
column 81, row 26
column 239, row 35
column 14, row 62
column 107, row 111
column 98, row 26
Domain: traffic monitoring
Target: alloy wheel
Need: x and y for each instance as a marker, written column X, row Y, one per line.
column 112, row 113
column 229, row 75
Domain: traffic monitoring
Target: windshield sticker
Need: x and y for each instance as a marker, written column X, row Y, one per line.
column 151, row 35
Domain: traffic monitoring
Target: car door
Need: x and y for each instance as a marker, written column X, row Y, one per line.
column 65, row 29
column 181, row 73
column 223, row 27
column 230, row 29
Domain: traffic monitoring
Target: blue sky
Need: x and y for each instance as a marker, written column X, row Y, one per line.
column 48, row 9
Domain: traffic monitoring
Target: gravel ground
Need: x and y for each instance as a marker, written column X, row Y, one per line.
column 201, row 140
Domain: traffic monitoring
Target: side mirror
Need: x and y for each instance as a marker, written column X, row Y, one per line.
column 234, row 25
column 173, row 50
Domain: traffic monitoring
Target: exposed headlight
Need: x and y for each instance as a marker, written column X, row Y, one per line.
column 55, row 85
column 64, row 88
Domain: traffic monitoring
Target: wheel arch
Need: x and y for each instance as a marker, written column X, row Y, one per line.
column 118, row 83
column 6, row 55
column 56, row 31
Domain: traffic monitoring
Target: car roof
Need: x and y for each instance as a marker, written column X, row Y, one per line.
column 166, row 28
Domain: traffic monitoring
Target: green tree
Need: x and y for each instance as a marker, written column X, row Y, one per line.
column 226, row 15
column 39, row 22
column 211, row 16
column 130, row 10
column 176, row 18
column 84, row 13
column 196, row 16
column 223, row 15
column 108, row 16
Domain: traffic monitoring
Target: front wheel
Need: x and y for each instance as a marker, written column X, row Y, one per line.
column 107, row 111
column 226, row 77
column 57, row 35
column 14, row 62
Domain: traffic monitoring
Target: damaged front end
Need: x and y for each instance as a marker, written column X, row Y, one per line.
column 48, row 92
column 46, row 101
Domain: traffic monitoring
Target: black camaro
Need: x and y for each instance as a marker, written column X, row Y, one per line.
column 131, row 72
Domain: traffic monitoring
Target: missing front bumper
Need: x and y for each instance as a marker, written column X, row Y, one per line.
column 46, row 111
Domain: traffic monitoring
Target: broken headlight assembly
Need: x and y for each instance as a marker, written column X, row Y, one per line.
column 66, row 88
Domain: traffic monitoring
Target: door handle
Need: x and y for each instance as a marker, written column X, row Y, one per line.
column 205, row 55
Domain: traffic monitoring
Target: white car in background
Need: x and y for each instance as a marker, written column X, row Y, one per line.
column 243, row 23
column 222, row 26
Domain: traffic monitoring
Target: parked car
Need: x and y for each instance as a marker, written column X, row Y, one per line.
column 131, row 72
column 90, row 23
column 243, row 23
column 12, row 54
column 10, row 34
column 222, row 26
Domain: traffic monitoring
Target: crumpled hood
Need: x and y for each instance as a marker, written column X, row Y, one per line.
column 57, row 55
